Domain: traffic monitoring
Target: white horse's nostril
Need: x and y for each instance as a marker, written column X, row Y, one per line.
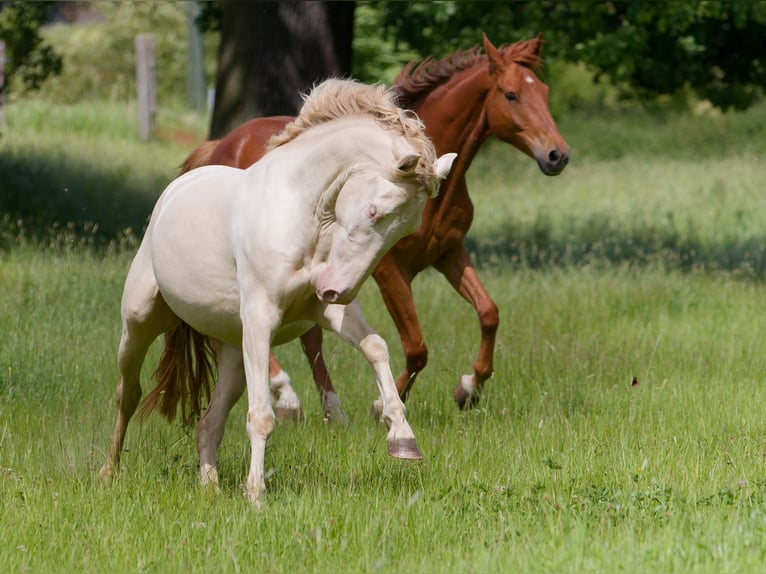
column 329, row 296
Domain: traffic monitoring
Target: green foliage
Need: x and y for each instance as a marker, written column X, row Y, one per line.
column 711, row 49
column 99, row 57
column 29, row 58
column 376, row 58
column 714, row 48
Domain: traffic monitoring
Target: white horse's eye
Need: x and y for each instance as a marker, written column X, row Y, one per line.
column 372, row 212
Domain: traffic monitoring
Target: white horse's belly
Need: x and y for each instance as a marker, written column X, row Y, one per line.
column 288, row 332
column 192, row 261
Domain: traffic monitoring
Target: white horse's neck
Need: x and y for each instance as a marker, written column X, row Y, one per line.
column 320, row 159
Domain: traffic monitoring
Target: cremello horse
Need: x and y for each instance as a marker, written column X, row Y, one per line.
column 252, row 258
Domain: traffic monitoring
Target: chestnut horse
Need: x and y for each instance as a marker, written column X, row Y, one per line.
column 462, row 99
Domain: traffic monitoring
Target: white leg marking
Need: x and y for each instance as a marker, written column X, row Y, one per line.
column 468, row 382
column 286, row 402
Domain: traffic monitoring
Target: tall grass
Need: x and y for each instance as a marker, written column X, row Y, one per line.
column 566, row 466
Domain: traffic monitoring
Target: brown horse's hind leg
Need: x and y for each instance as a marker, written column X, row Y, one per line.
column 311, row 341
column 287, row 405
column 456, row 266
column 145, row 317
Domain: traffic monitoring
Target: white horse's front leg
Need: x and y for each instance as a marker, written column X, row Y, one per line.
column 348, row 321
column 256, row 339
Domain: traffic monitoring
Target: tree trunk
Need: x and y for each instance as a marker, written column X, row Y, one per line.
column 272, row 52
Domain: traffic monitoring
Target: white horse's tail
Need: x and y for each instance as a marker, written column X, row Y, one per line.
column 184, row 375
column 200, row 156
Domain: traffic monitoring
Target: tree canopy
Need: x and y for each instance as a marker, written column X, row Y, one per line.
column 28, row 55
column 715, row 47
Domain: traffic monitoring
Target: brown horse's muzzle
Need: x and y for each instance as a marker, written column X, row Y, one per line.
column 554, row 162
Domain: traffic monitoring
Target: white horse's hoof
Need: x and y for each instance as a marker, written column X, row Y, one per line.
column 404, row 448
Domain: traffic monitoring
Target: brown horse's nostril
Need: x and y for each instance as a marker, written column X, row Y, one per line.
column 554, row 162
column 558, row 159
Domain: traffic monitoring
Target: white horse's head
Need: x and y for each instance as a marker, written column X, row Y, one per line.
column 372, row 212
column 388, row 170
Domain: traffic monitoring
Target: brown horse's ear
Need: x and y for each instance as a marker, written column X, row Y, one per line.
column 536, row 45
column 494, row 56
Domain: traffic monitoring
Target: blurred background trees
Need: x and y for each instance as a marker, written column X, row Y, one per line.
column 271, row 52
column 29, row 57
column 598, row 53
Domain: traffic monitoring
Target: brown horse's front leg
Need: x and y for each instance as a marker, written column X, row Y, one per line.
column 456, row 266
column 396, row 290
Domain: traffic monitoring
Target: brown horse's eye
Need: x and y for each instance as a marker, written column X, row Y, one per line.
column 511, row 96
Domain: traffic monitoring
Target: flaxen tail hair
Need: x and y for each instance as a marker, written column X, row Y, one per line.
column 184, row 375
column 200, row 156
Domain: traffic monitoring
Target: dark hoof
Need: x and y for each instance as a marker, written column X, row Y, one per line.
column 404, row 448
column 464, row 398
column 285, row 415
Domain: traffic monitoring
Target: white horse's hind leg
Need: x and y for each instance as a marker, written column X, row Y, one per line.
column 228, row 390
column 349, row 323
column 145, row 316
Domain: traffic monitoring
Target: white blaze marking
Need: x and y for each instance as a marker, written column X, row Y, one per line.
column 529, row 80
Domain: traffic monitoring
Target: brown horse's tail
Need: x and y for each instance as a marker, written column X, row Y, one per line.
column 184, row 374
column 200, row 156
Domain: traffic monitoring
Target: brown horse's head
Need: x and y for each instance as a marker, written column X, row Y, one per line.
column 517, row 105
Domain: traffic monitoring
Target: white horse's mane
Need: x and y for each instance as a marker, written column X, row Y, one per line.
column 335, row 98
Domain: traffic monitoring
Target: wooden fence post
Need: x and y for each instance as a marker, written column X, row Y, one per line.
column 195, row 73
column 146, row 85
column 2, row 85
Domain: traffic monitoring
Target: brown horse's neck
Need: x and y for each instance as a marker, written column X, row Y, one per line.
column 455, row 117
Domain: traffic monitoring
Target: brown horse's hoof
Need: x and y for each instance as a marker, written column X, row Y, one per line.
column 106, row 474
column 289, row 415
column 404, row 448
column 465, row 393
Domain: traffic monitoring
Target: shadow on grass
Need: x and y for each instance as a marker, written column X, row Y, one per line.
column 55, row 203
column 50, row 201
column 600, row 240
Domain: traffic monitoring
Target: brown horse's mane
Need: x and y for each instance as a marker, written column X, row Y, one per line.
column 420, row 77
column 336, row 98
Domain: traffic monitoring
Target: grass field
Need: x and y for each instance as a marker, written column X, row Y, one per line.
column 644, row 259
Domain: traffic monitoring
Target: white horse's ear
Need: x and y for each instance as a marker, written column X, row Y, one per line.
column 444, row 164
column 408, row 163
